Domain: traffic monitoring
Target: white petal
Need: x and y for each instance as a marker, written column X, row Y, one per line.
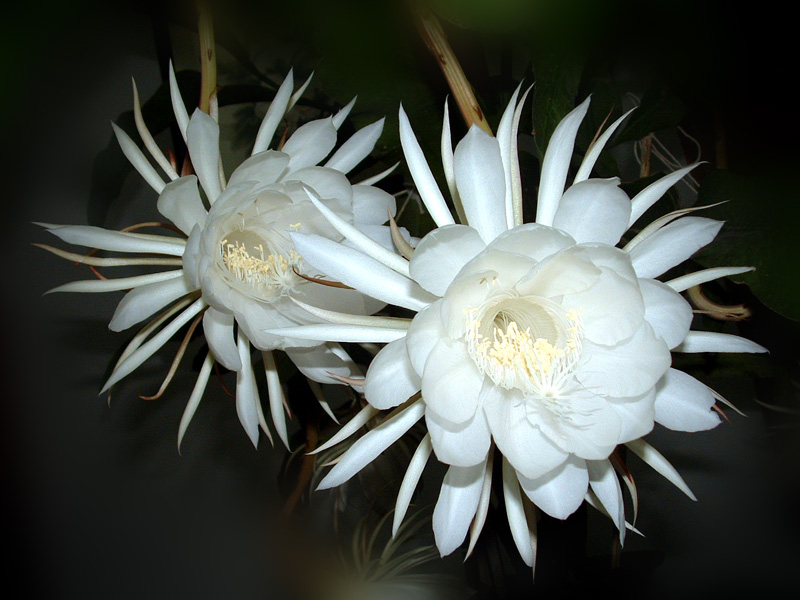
column 247, row 400
column 556, row 163
column 595, row 210
column 372, row 205
column 410, row 480
column 357, row 422
column 264, row 168
column 357, row 148
column 360, row 271
column 684, row 404
column 524, row 445
column 180, row 202
column 115, row 285
column 507, row 141
column 144, row 301
column 585, row 170
column 195, row 397
column 533, row 240
column 672, row 244
column 481, row 183
column 390, row 378
column 367, row 448
column 118, row 241
column 709, row 341
column 628, row 369
column 147, row 137
column 653, row 192
column 523, row 527
column 560, row 492
column 684, row 282
column 146, row 350
column 462, row 445
column 451, row 382
column 447, row 163
column 636, row 414
column 218, row 329
column 178, row 107
column 138, row 159
column 337, row 332
column 425, row 330
column 203, row 141
column 276, row 399
column 339, row 118
column 421, row 174
column 659, row 464
column 605, row 486
column 275, row 112
column 310, row 144
column 441, row 254
column 666, row 310
column 456, row 506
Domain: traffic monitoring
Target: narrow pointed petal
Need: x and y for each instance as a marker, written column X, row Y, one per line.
column 390, row 378
column 684, row 282
column 507, row 141
column 357, row 148
column 516, row 178
column 560, row 492
column 115, row 285
column 711, row 341
column 299, row 92
column 660, row 465
column 684, row 404
column 138, row 159
column 310, row 144
column 320, row 363
column 339, row 118
column 180, row 202
column 118, row 241
column 605, row 485
column 555, row 165
column 421, row 174
column 343, row 318
column 146, row 350
column 653, row 192
column 357, row 422
column 203, row 141
column 275, row 112
column 483, row 504
column 523, row 532
column 359, row 271
column 218, row 329
column 585, row 170
column 358, row 239
column 195, row 397
column 672, row 244
column 380, row 176
column 367, row 448
column 144, row 301
column 481, row 183
column 456, row 506
column 410, row 481
column 147, row 137
column 178, row 107
column 247, row 399
column 447, row 164
column 276, row 400
column 336, row 332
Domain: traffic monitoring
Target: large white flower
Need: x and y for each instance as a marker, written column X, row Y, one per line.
column 238, row 265
column 543, row 340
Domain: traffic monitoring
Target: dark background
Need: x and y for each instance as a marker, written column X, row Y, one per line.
column 98, row 503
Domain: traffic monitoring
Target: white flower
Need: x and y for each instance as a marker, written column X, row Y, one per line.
column 542, row 340
column 238, row 265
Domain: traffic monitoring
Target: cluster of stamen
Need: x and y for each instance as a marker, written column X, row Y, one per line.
column 267, row 273
column 514, row 357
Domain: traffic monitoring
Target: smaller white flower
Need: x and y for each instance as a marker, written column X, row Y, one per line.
column 237, row 268
column 543, row 341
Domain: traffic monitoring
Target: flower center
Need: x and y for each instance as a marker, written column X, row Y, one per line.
column 527, row 343
column 259, row 265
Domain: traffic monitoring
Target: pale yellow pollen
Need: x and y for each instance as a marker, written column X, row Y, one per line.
column 263, row 270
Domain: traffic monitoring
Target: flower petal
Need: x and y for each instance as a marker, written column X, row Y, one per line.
column 275, row 113
column 456, row 506
column 684, row 404
column 533, row 240
column 357, row 148
column 390, row 378
column 144, row 301
column 180, row 202
column 424, row 332
column 481, row 183
column 560, row 492
column 595, row 210
column 666, row 310
column 310, row 144
column 410, row 480
column 451, row 382
column 710, row 341
column 462, row 445
column 371, row 205
column 218, row 329
column 202, row 138
column 441, row 254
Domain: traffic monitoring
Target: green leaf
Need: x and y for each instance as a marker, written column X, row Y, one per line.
column 761, row 215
